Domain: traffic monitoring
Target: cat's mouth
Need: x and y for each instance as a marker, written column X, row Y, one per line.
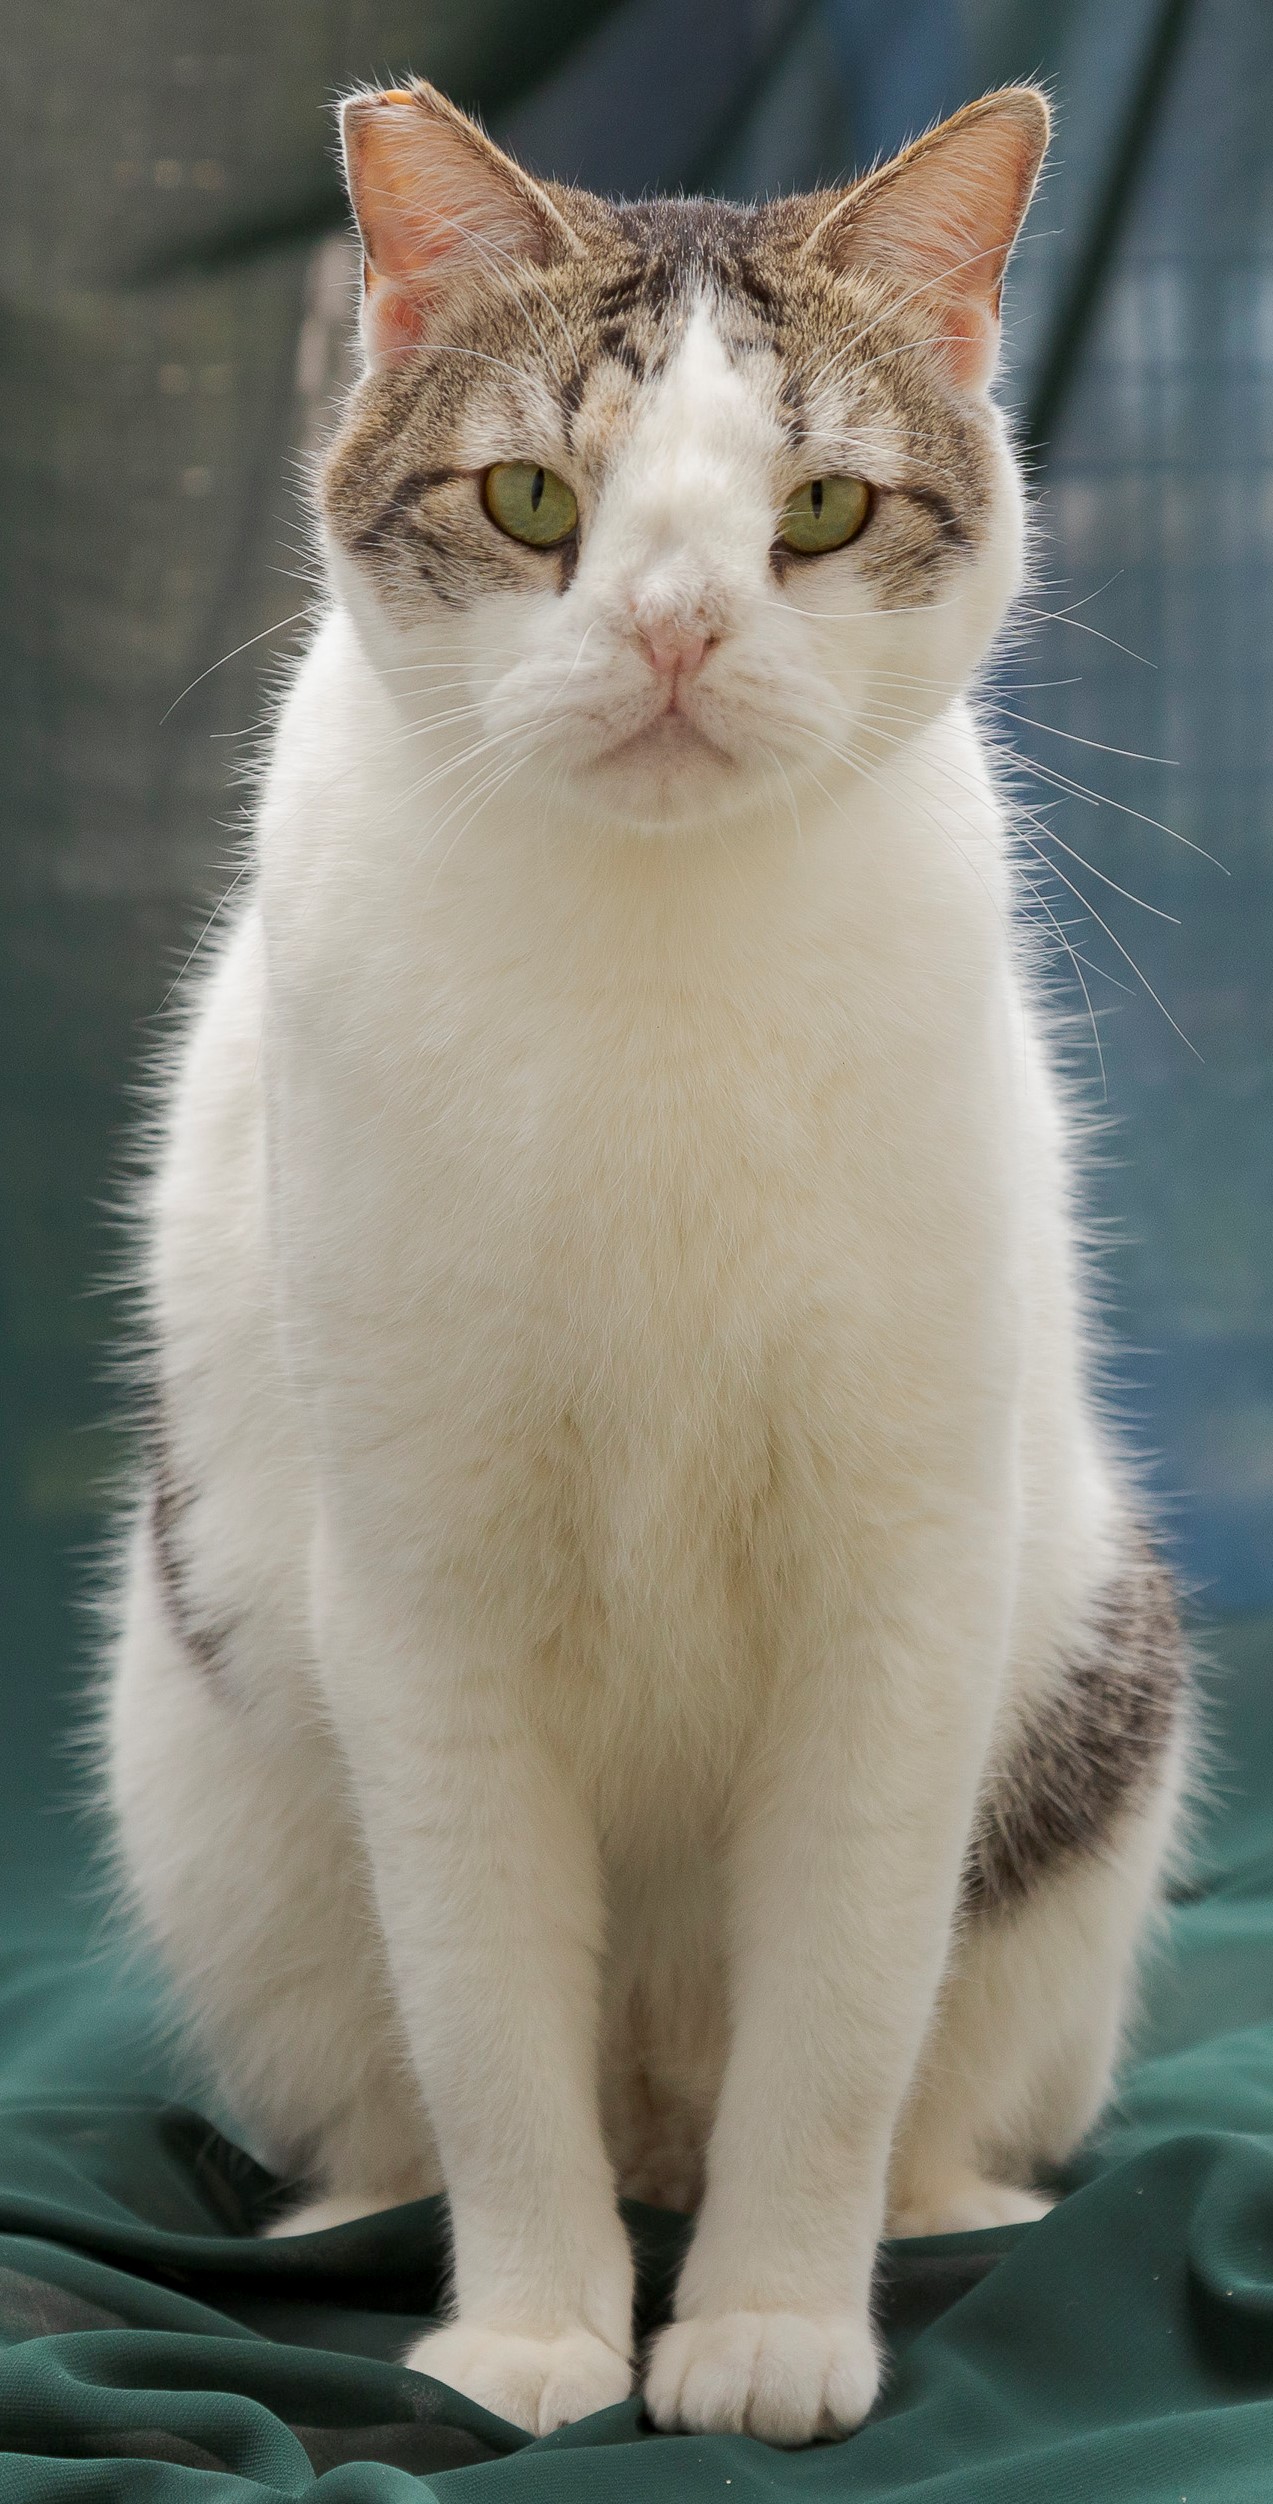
column 668, row 741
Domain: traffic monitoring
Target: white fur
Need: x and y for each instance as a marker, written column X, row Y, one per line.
column 612, row 1266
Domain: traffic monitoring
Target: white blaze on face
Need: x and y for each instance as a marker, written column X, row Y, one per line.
column 684, row 526
column 667, row 659
column 678, row 678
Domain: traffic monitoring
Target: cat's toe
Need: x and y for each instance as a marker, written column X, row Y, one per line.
column 964, row 2204
column 786, row 2377
column 537, row 2384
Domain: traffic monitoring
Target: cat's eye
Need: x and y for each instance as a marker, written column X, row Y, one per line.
column 530, row 503
column 824, row 514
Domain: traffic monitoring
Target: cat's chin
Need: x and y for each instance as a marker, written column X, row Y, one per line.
column 666, row 775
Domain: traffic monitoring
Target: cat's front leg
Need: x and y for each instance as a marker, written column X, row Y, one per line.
column 849, row 1846
column 486, row 1880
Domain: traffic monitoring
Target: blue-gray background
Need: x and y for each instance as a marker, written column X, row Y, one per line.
column 175, row 296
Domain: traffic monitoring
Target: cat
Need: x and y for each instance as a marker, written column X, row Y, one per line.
column 641, row 1666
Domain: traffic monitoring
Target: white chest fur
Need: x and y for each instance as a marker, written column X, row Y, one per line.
column 637, row 1199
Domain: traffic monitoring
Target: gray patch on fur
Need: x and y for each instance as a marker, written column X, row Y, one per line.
column 1091, row 1750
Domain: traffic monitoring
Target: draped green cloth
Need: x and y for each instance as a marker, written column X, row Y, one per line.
column 153, row 2352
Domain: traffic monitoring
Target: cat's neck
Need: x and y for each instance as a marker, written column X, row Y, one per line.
column 526, row 872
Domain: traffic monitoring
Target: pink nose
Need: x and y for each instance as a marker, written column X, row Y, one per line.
column 669, row 648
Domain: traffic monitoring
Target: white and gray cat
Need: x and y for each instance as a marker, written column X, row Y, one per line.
column 640, row 1667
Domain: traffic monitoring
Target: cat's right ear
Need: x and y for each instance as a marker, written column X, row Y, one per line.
column 438, row 206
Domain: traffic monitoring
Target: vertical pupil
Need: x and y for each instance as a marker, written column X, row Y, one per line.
column 537, row 491
column 815, row 499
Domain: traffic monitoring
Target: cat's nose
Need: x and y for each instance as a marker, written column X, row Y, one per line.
column 673, row 649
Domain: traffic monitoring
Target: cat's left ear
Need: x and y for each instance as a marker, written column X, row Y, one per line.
column 942, row 219
column 439, row 207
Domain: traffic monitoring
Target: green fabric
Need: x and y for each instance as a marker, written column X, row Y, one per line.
column 151, row 2350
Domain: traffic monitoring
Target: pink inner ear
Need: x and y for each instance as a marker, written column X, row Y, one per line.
column 432, row 209
column 393, row 322
column 945, row 221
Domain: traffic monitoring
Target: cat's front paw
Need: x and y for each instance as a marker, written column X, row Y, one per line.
column 534, row 2383
column 783, row 2376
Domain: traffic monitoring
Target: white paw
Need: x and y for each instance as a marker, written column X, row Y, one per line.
column 534, row 2383
column 315, row 2216
column 783, row 2376
column 964, row 2204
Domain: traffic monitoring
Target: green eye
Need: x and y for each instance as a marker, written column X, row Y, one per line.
column 826, row 514
column 531, row 504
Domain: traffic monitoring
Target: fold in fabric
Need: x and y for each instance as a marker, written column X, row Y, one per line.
column 154, row 2351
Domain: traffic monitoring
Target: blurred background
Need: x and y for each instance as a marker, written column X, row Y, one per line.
column 176, row 286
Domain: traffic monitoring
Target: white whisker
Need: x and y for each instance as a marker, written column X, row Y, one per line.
column 1137, row 755
column 245, row 646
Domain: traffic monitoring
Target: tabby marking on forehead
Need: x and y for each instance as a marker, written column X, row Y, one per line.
column 557, row 362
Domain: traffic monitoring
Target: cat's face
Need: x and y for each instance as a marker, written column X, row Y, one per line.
column 670, row 506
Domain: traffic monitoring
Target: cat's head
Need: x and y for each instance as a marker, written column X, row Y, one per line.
column 669, row 503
